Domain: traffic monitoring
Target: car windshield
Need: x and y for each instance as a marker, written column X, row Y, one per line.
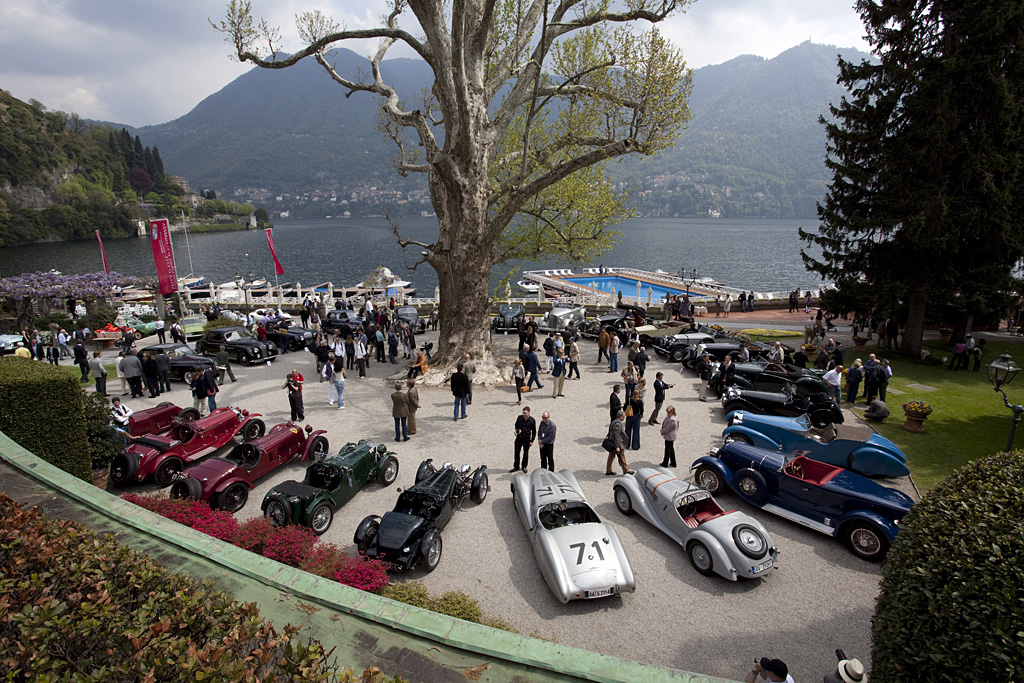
column 234, row 335
column 180, row 352
column 558, row 515
column 507, row 309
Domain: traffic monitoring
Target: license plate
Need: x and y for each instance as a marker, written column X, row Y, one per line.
column 600, row 593
column 761, row 567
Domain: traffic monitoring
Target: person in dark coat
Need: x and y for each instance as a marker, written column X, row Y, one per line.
column 532, row 365
column 853, row 378
column 163, row 367
column 293, row 384
column 614, row 401
column 400, row 411
column 151, row 371
column 82, row 359
column 633, row 421
column 526, row 434
column 460, row 390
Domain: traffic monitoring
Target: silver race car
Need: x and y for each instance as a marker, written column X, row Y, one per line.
column 731, row 544
column 579, row 555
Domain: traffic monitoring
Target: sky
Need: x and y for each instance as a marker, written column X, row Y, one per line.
column 143, row 62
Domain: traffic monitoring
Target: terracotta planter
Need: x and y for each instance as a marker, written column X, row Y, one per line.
column 859, row 344
column 915, row 421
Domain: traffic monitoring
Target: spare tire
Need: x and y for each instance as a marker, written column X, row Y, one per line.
column 187, row 488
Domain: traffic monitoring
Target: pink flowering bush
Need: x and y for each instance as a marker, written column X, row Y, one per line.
column 293, row 545
column 252, row 534
column 331, row 562
column 289, row 544
column 192, row 513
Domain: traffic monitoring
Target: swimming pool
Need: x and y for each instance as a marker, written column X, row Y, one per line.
column 614, row 284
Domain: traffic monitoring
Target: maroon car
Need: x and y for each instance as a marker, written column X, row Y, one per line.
column 159, row 419
column 161, row 456
column 224, row 483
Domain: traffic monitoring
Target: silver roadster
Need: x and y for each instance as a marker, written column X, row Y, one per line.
column 731, row 544
column 579, row 556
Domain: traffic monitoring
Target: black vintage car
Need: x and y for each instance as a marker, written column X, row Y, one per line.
column 341, row 319
column 821, row 408
column 411, row 317
column 240, row 343
column 183, row 360
column 760, row 375
column 298, row 337
column 412, row 531
column 510, row 317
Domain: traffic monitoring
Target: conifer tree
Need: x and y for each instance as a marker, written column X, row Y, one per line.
column 927, row 158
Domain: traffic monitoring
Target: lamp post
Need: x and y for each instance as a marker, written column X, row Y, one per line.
column 1000, row 373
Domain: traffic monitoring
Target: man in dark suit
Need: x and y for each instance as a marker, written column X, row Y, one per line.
column 615, row 401
column 460, row 390
column 526, row 434
column 532, row 365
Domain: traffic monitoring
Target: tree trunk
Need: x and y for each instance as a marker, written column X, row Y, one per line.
column 913, row 332
column 464, row 312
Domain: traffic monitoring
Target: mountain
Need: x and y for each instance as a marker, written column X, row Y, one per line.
column 753, row 148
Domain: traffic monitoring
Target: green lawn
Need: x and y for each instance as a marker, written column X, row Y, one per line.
column 77, row 372
column 968, row 420
column 968, row 417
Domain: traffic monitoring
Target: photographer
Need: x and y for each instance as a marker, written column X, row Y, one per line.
column 774, row 670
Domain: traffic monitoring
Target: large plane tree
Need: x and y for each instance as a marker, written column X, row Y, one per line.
column 530, row 98
column 927, row 158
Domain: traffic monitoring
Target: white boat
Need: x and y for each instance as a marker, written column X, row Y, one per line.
column 528, row 286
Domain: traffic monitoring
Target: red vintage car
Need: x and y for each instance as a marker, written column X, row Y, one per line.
column 159, row 419
column 224, row 483
column 161, row 456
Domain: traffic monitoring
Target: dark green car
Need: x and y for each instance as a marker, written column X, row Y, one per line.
column 328, row 485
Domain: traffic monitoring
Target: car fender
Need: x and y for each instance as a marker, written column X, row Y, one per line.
column 740, row 403
column 628, row 580
column 307, row 514
column 640, row 502
column 549, row 561
column 309, row 442
column 723, row 566
column 211, row 488
column 887, row 527
column 876, row 462
column 521, row 491
column 810, row 385
column 743, row 383
column 717, row 465
column 759, row 439
column 148, row 466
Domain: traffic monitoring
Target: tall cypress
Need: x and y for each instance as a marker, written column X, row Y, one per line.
column 926, row 156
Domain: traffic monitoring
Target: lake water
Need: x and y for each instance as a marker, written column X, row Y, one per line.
column 763, row 255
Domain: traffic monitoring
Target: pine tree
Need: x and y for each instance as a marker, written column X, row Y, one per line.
column 927, row 155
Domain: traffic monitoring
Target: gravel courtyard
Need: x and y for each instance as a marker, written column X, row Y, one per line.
column 820, row 598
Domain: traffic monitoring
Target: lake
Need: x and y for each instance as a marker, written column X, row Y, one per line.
column 763, row 255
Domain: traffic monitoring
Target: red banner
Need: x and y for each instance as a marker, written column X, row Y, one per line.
column 106, row 268
column 278, row 270
column 160, row 232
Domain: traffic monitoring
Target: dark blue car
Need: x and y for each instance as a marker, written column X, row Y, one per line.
column 862, row 513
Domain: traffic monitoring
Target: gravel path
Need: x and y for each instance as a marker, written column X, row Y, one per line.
column 821, row 597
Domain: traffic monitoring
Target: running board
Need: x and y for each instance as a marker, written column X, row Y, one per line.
column 799, row 519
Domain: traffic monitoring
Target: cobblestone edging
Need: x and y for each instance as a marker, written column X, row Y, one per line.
column 509, row 653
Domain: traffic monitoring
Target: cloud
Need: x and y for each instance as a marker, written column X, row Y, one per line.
column 144, row 62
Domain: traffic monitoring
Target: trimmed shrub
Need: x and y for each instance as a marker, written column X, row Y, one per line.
column 79, row 603
column 218, row 323
column 290, row 544
column 452, row 603
column 951, row 599
column 41, row 410
column 104, row 441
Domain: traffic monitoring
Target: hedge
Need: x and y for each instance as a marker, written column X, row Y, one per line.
column 81, row 607
column 41, row 410
column 952, row 601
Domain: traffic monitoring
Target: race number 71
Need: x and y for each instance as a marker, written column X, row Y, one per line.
column 582, row 547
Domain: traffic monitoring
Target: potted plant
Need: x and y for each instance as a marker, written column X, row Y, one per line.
column 945, row 334
column 916, row 412
column 860, row 342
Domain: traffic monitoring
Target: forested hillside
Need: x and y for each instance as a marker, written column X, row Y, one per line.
column 62, row 178
column 754, row 147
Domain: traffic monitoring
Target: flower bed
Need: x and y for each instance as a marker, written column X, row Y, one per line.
column 292, row 545
column 770, row 334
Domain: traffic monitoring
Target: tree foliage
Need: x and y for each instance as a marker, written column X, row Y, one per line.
column 62, row 178
column 927, row 156
column 526, row 94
